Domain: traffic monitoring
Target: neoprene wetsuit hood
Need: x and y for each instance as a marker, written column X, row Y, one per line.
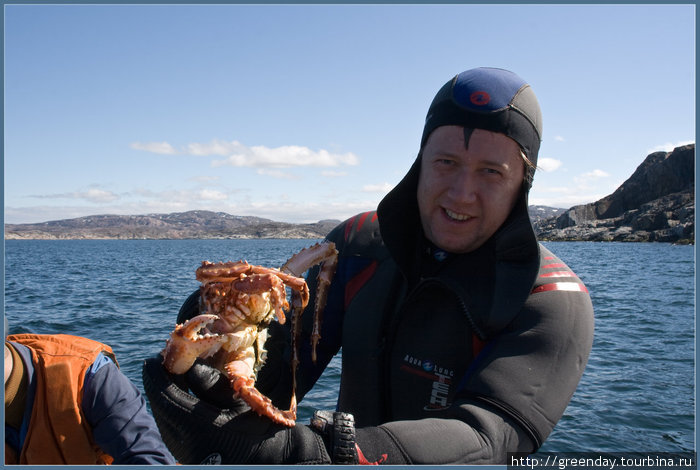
column 483, row 98
column 491, row 99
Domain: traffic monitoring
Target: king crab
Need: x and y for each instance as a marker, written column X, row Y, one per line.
column 238, row 301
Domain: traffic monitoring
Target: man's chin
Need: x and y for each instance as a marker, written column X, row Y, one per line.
column 456, row 244
column 454, row 237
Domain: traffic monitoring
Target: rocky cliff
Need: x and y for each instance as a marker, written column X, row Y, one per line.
column 657, row 203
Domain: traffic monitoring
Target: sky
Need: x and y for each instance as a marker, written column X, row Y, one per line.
column 300, row 113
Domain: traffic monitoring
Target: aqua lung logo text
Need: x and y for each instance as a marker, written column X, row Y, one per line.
column 441, row 378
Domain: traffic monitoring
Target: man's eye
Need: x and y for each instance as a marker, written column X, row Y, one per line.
column 492, row 171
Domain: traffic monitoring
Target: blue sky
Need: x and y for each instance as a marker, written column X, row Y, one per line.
column 306, row 112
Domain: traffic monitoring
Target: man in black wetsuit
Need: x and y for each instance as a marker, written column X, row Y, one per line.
column 462, row 337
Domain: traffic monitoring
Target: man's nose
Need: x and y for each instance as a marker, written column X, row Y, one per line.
column 463, row 187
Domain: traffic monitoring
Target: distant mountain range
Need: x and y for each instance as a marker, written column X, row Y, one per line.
column 178, row 225
column 186, row 225
column 657, row 203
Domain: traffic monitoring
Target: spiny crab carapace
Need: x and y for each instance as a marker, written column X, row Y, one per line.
column 237, row 303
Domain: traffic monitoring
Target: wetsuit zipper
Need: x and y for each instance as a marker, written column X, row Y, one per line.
column 391, row 326
column 460, row 300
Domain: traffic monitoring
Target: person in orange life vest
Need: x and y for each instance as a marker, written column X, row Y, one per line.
column 67, row 402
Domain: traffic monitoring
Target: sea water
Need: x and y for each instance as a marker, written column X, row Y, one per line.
column 637, row 393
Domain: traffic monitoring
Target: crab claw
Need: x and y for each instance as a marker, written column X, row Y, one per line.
column 186, row 344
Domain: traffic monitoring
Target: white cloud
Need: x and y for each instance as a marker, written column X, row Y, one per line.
column 93, row 195
column 205, row 179
column 595, row 174
column 566, row 200
column 178, row 196
column 285, row 157
column 98, row 195
column 258, row 156
column 377, row 188
column 548, row 164
column 279, row 174
column 210, row 195
column 668, row 146
column 553, row 189
column 301, row 211
column 559, row 138
column 333, row 174
column 162, row 148
column 585, row 188
column 216, row 147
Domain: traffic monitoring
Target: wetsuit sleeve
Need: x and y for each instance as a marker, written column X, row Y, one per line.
column 482, row 436
column 530, row 371
column 120, row 422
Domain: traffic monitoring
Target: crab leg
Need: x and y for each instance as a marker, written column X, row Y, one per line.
column 221, row 272
column 297, row 310
column 326, row 255
column 325, row 275
column 296, row 266
column 311, row 256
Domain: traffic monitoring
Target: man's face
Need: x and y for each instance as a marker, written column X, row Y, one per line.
column 464, row 195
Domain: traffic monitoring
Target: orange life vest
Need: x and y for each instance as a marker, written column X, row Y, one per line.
column 58, row 431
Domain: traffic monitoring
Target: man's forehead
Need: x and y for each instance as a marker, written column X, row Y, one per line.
column 445, row 140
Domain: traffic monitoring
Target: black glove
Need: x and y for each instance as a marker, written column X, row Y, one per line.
column 223, row 430
column 212, row 386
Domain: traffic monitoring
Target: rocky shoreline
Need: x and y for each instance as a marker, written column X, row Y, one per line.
column 670, row 219
column 656, row 204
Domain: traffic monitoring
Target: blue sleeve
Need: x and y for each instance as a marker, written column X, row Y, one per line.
column 120, row 421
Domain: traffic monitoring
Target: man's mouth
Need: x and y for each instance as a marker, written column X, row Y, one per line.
column 457, row 216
